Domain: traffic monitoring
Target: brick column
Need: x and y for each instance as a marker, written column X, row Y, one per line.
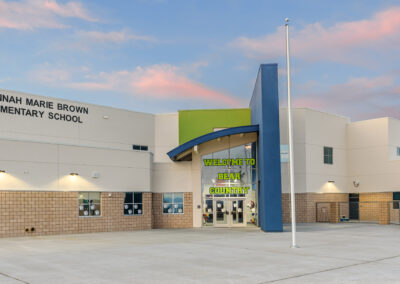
column 384, row 217
column 334, row 213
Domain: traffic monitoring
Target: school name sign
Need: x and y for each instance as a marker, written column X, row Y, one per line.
column 233, row 177
column 34, row 108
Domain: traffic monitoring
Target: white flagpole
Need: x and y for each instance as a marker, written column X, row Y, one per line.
column 291, row 161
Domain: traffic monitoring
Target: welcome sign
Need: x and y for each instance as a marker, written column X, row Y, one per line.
column 233, row 177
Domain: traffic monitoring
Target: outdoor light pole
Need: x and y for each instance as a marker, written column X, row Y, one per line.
column 290, row 130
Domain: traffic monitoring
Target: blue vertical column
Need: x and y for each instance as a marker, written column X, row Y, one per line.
column 264, row 106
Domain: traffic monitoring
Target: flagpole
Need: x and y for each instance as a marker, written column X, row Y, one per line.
column 290, row 130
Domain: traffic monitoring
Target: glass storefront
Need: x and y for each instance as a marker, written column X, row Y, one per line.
column 229, row 187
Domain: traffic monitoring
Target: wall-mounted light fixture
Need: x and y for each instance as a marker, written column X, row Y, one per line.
column 74, row 174
column 331, row 181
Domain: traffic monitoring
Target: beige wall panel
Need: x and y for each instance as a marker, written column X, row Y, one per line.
column 104, row 157
column 24, row 151
column 166, row 135
column 172, row 177
column 30, row 176
column 111, row 178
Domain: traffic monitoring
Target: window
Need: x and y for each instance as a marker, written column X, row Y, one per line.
column 140, row 147
column 133, row 204
column 328, row 155
column 173, row 203
column 89, row 204
column 396, row 200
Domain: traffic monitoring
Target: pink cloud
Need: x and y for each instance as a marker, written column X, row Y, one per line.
column 315, row 42
column 69, row 10
column 359, row 98
column 163, row 82
column 32, row 14
column 49, row 75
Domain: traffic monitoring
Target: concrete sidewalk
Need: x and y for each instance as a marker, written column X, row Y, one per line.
column 329, row 253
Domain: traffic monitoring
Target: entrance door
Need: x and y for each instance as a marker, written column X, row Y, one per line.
column 237, row 213
column 229, row 213
column 221, row 212
column 354, row 206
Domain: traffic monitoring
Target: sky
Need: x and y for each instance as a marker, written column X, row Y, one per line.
column 162, row 56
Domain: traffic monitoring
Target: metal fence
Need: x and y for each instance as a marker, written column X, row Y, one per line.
column 368, row 211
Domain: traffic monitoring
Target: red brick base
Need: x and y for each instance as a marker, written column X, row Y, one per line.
column 52, row 213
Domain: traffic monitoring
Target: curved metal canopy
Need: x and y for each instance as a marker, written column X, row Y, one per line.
column 183, row 153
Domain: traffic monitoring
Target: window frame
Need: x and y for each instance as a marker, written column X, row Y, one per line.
column 89, row 204
column 173, row 203
column 133, row 203
column 328, row 157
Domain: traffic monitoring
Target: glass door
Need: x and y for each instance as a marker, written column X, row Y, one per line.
column 221, row 213
column 238, row 215
column 229, row 213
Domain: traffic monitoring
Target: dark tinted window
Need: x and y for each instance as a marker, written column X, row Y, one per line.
column 328, row 155
column 133, row 203
column 140, row 147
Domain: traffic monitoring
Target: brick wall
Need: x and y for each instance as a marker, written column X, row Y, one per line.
column 184, row 220
column 371, row 207
column 306, row 205
column 51, row 213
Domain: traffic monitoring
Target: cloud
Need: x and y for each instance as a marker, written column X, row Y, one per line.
column 49, row 75
column 113, row 36
column 33, row 14
column 161, row 82
column 341, row 42
column 359, row 98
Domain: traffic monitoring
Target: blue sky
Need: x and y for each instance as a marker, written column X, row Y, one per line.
column 161, row 56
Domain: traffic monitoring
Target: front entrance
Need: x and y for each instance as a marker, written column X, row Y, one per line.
column 226, row 212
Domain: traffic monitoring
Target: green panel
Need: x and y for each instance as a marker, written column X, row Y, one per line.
column 194, row 123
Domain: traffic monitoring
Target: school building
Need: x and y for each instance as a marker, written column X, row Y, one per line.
column 68, row 167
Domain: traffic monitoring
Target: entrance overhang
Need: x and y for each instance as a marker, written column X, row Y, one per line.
column 184, row 151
